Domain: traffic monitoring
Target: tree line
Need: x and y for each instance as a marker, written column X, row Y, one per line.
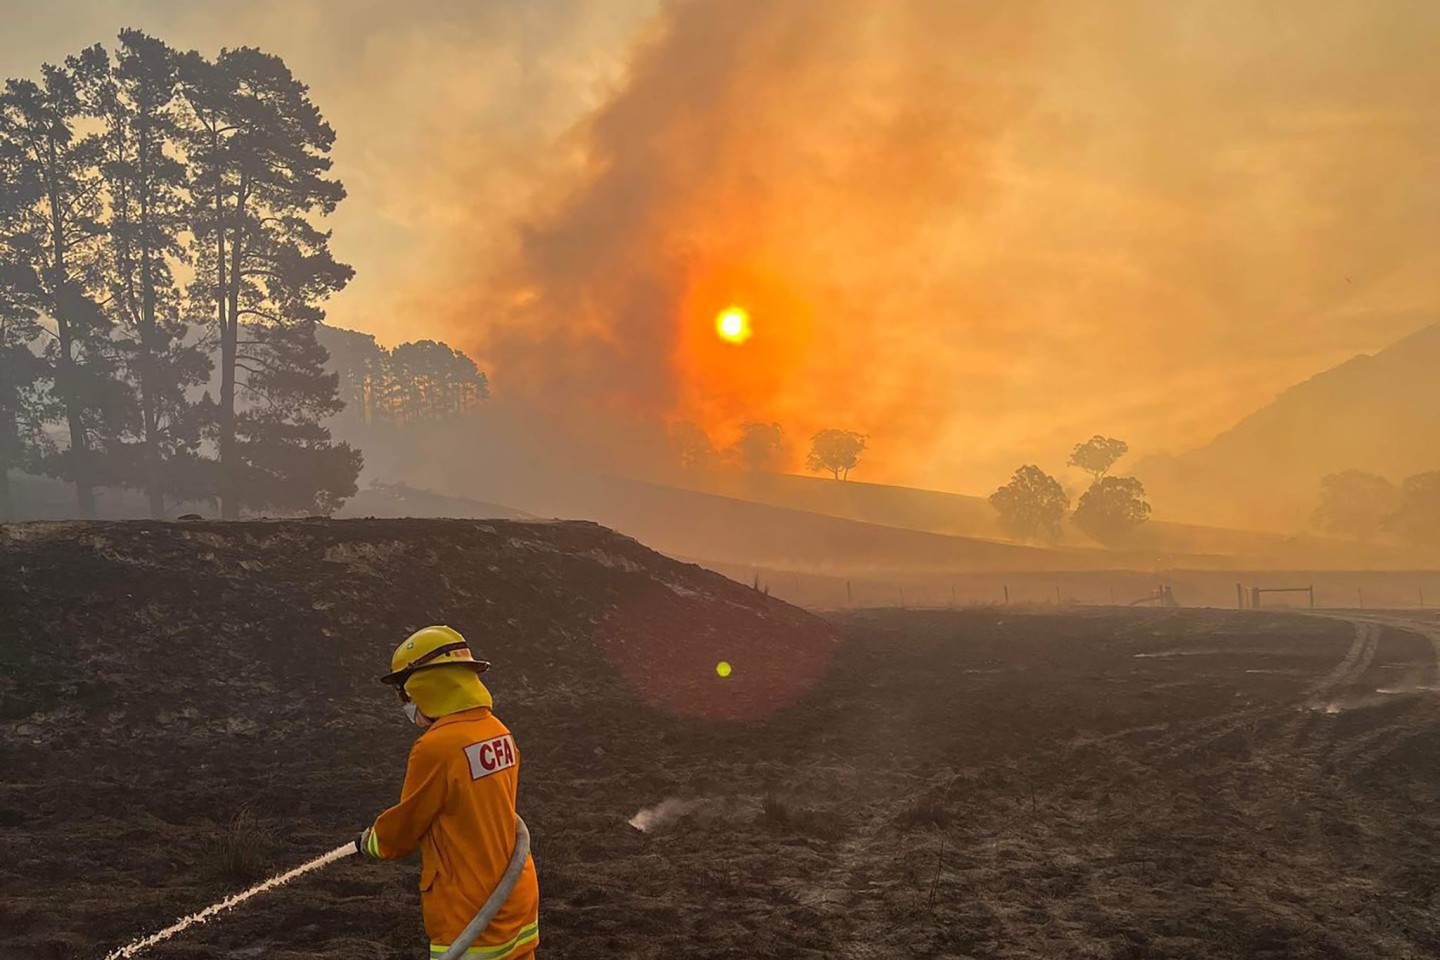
column 163, row 270
column 1367, row 506
column 424, row 381
column 1033, row 505
column 761, row 446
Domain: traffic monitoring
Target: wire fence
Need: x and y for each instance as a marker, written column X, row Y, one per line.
column 1266, row 590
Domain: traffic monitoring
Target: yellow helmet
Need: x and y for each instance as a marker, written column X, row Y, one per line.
column 437, row 646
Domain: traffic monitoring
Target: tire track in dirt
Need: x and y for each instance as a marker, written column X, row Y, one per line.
column 1199, row 734
column 1357, row 754
column 1319, row 701
column 1006, row 839
column 846, row 890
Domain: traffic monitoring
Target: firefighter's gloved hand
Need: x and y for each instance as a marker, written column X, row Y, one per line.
column 360, row 839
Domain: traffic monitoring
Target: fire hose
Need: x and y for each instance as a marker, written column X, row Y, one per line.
column 498, row 896
column 472, row 930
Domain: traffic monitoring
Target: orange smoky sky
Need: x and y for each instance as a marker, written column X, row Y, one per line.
column 975, row 231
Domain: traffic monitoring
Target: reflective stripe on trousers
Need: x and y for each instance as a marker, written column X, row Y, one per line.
column 523, row 940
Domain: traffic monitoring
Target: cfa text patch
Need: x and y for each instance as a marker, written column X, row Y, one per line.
column 490, row 756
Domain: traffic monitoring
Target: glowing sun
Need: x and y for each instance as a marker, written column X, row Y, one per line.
column 733, row 325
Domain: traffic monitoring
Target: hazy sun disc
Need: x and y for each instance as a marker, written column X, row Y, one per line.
column 733, row 325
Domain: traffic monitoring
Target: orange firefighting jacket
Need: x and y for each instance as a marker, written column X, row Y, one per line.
column 458, row 806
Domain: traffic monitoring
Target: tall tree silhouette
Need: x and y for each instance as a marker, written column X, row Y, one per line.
column 284, row 457
column 57, row 240
column 21, row 369
column 260, row 155
column 426, row 381
column 145, row 180
column 431, row 381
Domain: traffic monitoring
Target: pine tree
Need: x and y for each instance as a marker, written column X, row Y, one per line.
column 260, row 154
column 22, row 370
column 285, row 458
column 58, row 243
column 145, row 180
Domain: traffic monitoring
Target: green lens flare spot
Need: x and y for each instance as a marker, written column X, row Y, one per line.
column 722, row 669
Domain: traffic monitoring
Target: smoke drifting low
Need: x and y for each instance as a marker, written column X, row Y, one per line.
column 653, row 818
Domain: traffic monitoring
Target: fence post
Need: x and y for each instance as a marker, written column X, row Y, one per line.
column 1007, row 596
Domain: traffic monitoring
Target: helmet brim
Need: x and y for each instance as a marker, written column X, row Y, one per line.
column 397, row 678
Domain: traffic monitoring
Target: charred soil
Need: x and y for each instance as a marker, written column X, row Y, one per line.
column 185, row 708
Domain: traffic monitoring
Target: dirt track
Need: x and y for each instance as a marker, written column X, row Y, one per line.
column 988, row 783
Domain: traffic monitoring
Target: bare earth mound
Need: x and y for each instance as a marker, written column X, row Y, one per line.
column 187, row 707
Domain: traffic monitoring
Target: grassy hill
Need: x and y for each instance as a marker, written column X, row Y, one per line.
column 1158, row 542
column 1379, row 413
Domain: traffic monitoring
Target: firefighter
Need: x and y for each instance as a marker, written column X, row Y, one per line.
column 458, row 802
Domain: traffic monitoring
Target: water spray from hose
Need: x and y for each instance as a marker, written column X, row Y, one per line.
column 134, row 947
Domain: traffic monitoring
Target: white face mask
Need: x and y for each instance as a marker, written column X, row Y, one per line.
column 413, row 712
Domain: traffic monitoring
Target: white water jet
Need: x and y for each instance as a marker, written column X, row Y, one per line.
column 134, row 947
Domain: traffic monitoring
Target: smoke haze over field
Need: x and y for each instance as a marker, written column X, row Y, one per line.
column 977, row 232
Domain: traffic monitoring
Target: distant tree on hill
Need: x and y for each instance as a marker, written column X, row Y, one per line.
column 1098, row 454
column 837, row 451
column 1417, row 518
column 1032, row 505
column 1112, row 509
column 759, row 445
column 1355, row 504
column 691, row 446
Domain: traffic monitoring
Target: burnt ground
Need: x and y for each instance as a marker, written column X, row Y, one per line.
column 185, row 708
